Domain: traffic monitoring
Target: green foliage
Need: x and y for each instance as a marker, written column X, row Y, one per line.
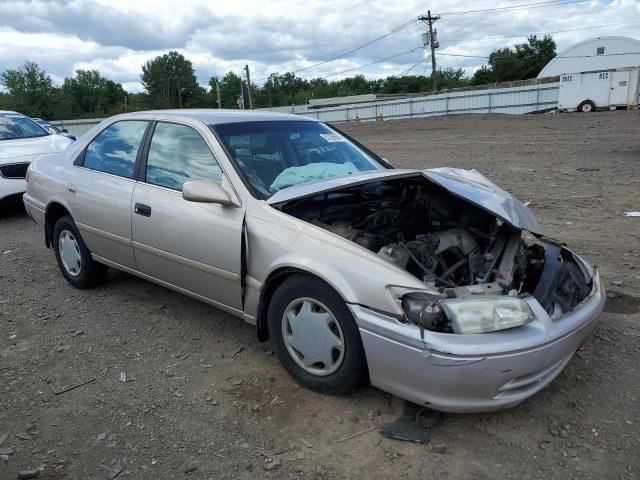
column 522, row 62
column 89, row 93
column 229, row 90
column 170, row 81
column 30, row 90
column 5, row 101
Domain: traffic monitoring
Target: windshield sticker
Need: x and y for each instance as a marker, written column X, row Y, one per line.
column 333, row 137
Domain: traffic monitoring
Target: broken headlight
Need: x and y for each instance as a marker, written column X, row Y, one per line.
column 423, row 309
column 486, row 314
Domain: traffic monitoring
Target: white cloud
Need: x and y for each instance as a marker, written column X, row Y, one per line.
column 117, row 37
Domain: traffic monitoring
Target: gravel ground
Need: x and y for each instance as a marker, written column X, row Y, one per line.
column 177, row 389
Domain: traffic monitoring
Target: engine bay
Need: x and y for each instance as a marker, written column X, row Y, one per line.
column 450, row 244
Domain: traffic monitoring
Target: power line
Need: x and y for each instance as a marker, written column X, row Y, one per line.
column 389, row 33
column 523, row 6
column 414, row 66
column 499, row 37
column 372, row 63
column 515, row 58
column 336, row 56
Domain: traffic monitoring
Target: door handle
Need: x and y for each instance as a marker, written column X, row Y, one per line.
column 141, row 209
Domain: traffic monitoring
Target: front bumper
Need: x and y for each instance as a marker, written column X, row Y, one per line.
column 12, row 187
column 474, row 373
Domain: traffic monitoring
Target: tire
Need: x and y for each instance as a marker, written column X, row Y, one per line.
column 78, row 268
column 587, row 106
column 349, row 368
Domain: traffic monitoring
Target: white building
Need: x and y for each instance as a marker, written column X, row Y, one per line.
column 601, row 53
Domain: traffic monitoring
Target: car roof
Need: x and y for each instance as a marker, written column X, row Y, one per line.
column 9, row 112
column 218, row 116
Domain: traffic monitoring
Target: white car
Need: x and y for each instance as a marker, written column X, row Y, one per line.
column 21, row 141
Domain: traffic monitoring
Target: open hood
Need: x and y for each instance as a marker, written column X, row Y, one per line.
column 467, row 184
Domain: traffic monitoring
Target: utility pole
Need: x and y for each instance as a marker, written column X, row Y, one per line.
column 432, row 40
column 246, row 70
column 218, row 94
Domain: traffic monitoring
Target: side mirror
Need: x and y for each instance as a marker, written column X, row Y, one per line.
column 51, row 131
column 205, row 191
column 64, row 130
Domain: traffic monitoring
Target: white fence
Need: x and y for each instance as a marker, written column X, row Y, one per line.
column 511, row 100
column 77, row 127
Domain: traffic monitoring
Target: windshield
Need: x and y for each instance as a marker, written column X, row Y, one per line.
column 273, row 155
column 44, row 124
column 14, row 125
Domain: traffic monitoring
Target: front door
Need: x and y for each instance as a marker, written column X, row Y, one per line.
column 193, row 246
column 100, row 188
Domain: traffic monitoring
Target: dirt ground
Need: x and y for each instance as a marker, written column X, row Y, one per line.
column 178, row 389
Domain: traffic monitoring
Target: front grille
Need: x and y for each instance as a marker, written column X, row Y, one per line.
column 14, row 170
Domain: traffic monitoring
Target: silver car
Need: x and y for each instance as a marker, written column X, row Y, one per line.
column 423, row 282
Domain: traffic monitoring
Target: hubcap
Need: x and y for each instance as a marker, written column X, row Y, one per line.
column 69, row 251
column 313, row 336
column 586, row 107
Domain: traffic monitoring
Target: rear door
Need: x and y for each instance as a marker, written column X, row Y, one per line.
column 100, row 189
column 619, row 88
column 193, row 246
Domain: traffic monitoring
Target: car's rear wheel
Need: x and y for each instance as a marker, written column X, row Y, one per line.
column 73, row 256
column 315, row 336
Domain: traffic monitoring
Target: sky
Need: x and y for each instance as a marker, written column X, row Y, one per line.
column 117, row 37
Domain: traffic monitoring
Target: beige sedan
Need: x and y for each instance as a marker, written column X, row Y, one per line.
column 420, row 282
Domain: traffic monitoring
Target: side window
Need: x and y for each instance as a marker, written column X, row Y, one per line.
column 115, row 149
column 178, row 153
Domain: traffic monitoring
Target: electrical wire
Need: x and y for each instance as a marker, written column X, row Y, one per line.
column 523, row 6
column 515, row 58
column 336, row 57
column 407, row 71
column 499, row 37
column 372, row 63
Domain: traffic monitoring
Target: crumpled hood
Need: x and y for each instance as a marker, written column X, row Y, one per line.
column 13, row 150
column 479, row 190
column 469, row 185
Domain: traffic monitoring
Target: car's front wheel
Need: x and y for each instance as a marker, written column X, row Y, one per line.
column 73, row 256
column 315, row 336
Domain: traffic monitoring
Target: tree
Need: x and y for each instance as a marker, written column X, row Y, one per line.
column 170, row 82
column 535, row 54
column 522, row 62
column 89, row 93
column 30, row 90
column 229, row 90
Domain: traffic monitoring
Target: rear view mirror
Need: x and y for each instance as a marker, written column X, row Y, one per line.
column 204, row 191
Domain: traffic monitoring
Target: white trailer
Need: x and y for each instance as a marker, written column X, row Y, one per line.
column 604, row 89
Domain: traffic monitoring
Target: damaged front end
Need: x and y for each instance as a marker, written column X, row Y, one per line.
column 462, row 236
